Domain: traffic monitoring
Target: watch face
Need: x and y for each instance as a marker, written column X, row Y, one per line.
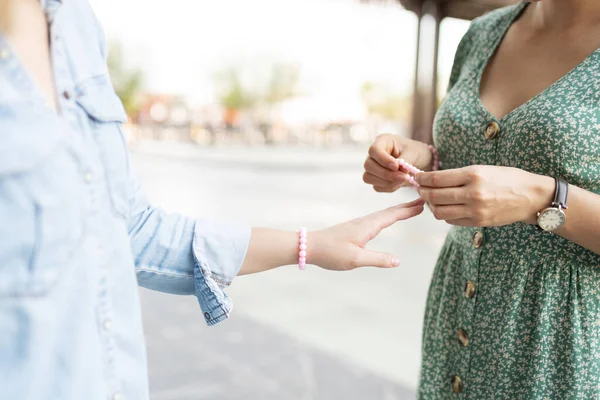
column 551, row 219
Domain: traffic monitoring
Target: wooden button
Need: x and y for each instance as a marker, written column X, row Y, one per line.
column 457, row 385
column 478, row 239
column 491, row 130
column 470, row 289
column 462, row 337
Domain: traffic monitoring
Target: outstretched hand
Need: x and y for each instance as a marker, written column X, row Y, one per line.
column 342, row 247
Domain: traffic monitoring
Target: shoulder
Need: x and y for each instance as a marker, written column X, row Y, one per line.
column 481, row 35
column 484, row 30
column 82, row 37
column 78, row 12
column 78, row 18
column 488, row 26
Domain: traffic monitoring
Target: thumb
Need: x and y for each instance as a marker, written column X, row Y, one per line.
column 368, row 258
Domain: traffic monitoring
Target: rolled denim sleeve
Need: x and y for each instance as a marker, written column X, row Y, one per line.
column 181, row 255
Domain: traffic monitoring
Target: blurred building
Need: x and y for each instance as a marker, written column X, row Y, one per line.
column 163, row 116
column 430, row 14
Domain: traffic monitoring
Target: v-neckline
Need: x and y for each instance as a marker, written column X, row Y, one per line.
column 485, row 63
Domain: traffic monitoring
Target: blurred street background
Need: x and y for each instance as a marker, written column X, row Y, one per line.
column 262, row 112
column 311, row 335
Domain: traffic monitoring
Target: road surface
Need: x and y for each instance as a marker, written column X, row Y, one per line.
column 311, row 335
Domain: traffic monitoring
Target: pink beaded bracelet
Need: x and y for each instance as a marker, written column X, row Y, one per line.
column 436, row 157
column 302, row 248
column 413, row 171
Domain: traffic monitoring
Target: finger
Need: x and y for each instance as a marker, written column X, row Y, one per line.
column 384, row 151
column 392, row 214
column 368, row 258
column 452, row 212
column 447, row 178
column 376, row 181
column 372, row 167
column 416, row 202
column 443, row 196
column 384, row 218
column 388, row 187
column 385, row 189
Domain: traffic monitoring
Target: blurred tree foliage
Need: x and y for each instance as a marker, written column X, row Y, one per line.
column 127, row 82
column 243, row 88
column 231, row 92
column 283, row 83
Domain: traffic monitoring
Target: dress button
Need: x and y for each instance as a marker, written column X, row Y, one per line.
column 117, row 396
column 107, row 325
column 457, row 385
column 491, row 130
column 66, row 95
column 3, row 54
column 470, row 289
column 88, row 177
column 478, row 239
column 462, row 337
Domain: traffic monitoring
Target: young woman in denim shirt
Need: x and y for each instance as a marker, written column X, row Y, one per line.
column 77, row 234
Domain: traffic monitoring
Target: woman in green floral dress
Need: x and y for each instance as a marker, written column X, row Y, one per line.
column 513, row 311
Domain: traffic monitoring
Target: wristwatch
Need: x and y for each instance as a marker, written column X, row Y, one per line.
column 553, row 217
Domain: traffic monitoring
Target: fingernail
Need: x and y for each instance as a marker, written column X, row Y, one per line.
column 393, row 166
column 395, row 262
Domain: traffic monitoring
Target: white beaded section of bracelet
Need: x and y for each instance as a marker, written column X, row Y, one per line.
column 302, row 240
column 413, row 171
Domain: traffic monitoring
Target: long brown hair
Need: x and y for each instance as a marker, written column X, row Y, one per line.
column 5, row 15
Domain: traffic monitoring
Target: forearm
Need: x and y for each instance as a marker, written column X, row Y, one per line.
column 340, row 247
column 583, row 219
column 268, row 249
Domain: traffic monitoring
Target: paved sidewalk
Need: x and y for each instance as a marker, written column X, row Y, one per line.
column 311, row 335
column 260, row 157
column 244, row 360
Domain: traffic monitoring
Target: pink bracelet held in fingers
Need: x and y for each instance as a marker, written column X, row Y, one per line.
column 412, row 171
column 436, row 157
column 302, row 248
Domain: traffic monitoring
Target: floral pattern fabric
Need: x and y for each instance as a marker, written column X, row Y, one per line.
column 513, row 312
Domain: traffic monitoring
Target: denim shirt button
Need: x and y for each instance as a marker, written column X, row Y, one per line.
column 207, row 316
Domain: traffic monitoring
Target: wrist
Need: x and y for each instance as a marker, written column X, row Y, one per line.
column 313, row 256
column 426, row 158
column 540, row 195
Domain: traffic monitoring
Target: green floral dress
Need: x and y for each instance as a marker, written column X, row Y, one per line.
column 512, row 312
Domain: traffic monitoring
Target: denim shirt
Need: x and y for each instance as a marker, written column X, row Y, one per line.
column 77, row 233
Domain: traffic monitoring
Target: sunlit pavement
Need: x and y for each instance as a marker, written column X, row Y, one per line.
column 311, row 335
